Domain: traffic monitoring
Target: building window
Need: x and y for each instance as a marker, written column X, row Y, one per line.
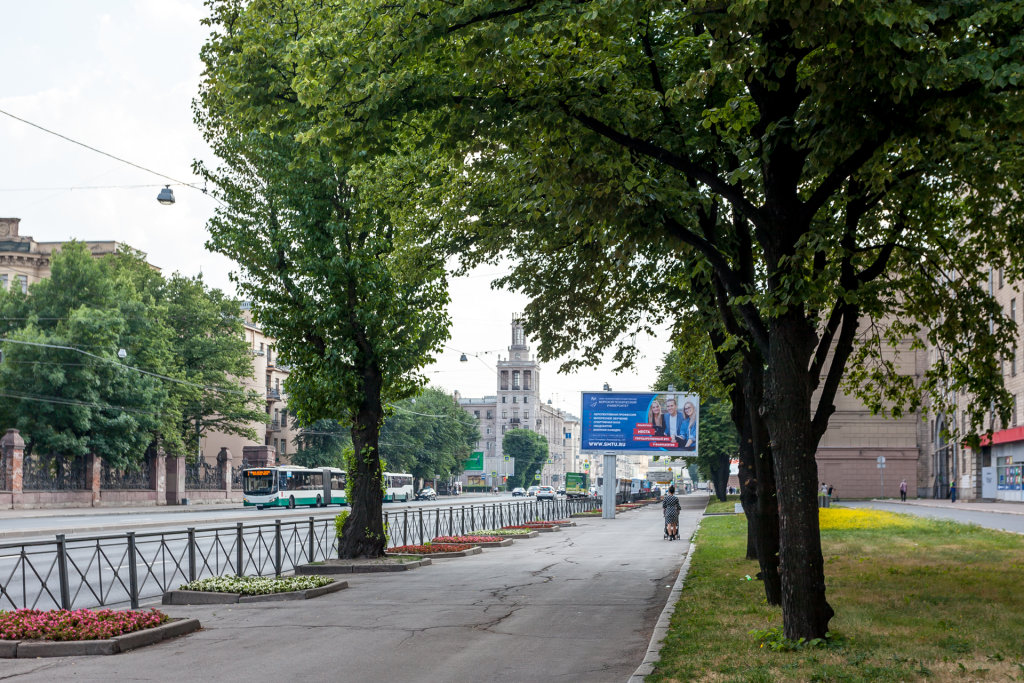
column 515, row 399
column 503, row 399
column 489, row 415
column 1000, row 278
column 284, row 419
column 527, row 376
column 504, row 414
column 284, row 447
column 1013, row 362
column 526, row 399
column 3, row 280
column 476, row 414
column 1013, row 310
column 23, row 281
column 502, row 429
column 515, row 380
column 526, row 414
column 488, row 430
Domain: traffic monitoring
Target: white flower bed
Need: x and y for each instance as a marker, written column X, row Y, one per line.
column 256, row 585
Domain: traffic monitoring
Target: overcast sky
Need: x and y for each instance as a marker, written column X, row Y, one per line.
column 120, row 75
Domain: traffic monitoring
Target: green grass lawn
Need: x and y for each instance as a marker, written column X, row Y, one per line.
column 915, row 600
column 716, row 506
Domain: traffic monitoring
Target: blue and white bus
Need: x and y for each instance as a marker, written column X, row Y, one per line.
column 288, row 486
column 398, row 486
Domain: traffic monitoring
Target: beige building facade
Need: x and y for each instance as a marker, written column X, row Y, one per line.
column 517, row 404
column 279, row 430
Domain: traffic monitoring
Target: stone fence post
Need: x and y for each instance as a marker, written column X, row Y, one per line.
column 94, row 476
column 158, row 476
column 224, row 462
column 175, row 479
column 13, row 447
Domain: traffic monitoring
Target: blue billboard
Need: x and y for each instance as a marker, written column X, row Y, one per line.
column 647, row 422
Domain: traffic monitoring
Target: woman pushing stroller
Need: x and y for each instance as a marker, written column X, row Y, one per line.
column 670, row 505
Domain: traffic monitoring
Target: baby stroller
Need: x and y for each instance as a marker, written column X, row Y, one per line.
column 668, row 536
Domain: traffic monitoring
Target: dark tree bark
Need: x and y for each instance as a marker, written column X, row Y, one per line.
column 787, row 411
column 748, row 480
column 766, row 505
column 367, row 496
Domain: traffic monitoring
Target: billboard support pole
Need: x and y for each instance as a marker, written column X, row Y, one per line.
column 608, row 491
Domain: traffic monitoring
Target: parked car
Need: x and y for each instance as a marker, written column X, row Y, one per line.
column 561, row 491
column 426, row 494
column 532, row 491
column 519, row 491
column 545, row 493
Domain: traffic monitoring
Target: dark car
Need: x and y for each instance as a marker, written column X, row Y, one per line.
column 427, row 494
column 519, row 491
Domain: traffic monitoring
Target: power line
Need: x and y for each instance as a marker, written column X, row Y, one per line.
column 122, row 365
column 57, row 400
column 93, row 149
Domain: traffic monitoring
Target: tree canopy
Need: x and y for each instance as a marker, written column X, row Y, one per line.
column 529, row 450
column 71, row 394
column 813, row 164
column 429, row 436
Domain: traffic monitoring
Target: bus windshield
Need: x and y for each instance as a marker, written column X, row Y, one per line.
column 258, row 482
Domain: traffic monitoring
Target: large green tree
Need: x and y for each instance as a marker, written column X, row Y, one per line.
column 529, row 450
column 429, row 436
column 356, row 303
column 858, row 160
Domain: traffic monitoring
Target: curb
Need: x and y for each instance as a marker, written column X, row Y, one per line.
column 544, row 529
column 475, row 550
column 495, row 544
column 661, row 628
column 26, row 649
column 215, row 598
column 310, row 569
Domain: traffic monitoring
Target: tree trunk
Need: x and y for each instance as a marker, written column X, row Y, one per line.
column 363, row 534
column 748, row 481
column 721, row 476
column 787, row 411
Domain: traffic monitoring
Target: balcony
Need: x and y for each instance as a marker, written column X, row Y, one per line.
column 273, row 394
column 514, row 420
column 274, row 426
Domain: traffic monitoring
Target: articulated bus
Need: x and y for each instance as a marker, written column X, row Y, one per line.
column 398, row 486
column 287, row 486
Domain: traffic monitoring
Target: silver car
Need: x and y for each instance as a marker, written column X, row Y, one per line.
column 546, row 492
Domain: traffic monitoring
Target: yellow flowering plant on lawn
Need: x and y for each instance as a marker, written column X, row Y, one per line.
column 849, row 518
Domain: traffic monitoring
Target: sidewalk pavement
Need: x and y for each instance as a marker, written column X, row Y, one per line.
column 1005, row 507
column 577, row 604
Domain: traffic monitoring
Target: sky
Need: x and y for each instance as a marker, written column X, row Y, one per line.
column 120, row 76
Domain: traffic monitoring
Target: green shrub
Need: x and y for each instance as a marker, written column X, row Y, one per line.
column 339, row 522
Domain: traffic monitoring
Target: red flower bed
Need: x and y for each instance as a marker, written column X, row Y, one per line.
column 467, row 539
column 432, row 548
column 80, row 624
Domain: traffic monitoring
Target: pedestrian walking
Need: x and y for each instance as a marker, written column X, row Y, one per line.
column 903, row 490
column 952, row 491
column 671, row 507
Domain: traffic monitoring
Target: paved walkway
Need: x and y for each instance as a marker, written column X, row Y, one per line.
column 579, row 604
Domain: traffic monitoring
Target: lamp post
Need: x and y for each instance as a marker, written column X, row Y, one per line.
column 166, row 196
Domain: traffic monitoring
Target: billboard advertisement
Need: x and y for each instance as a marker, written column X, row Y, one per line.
column 647, row 422
column 475, row 462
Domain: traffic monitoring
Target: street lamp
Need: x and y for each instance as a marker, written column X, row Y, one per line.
column 166, row 196
column 606, row 387
column 122, row 354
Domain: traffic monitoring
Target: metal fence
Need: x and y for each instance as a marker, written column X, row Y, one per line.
column 201, row 476
column 134, row 478
column 54, row 473
column 3, row 473
column 118, row 569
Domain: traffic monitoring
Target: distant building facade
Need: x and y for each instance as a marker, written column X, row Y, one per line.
column 516, row 404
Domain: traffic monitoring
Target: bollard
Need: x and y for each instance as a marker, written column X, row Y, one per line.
column 277, row 547
column 62, row 572
column 191, row 553
column 312, row 535
column 133, row 579
column 239, row 543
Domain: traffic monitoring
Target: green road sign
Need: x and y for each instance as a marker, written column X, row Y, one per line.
column 475, row 462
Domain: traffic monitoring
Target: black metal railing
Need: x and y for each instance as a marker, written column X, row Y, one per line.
column 236, row 478
column 202, row 476
column 54, row 473
column 3, row 473
column 138, row 477
column 124, row 569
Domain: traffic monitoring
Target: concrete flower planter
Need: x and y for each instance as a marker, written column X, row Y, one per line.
column 475, row 550
column 216, row 598
column 24, row 649
column 374, row 566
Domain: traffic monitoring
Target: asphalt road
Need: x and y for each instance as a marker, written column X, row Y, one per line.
column 967, row 513
column 579, row 604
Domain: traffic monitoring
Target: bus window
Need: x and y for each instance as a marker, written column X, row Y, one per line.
column 258, row 482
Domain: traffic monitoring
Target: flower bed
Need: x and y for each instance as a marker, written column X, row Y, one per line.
column 256, row 585
column 466, row 539
column 531, row 525
column 80, row 624
column 431, row 548
column 501, row 532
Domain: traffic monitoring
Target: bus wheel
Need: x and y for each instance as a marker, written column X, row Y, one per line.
column 319, row 502
column 291, row 502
